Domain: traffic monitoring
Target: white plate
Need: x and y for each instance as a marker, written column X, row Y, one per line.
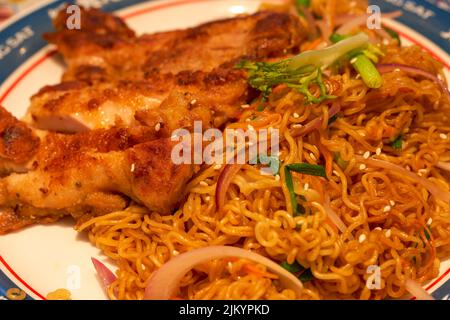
column 41, row 258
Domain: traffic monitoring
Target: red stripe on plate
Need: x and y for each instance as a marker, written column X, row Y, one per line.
column 438, row 279
column 20, row 279
column 143, row 11
column 430, row 51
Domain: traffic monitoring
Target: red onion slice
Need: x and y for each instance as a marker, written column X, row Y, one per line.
column 106, row 276
column 417, row 290
column 223, row 183
column 316, row 123
column 164, row 283
column 430, row 186
column 390, row 67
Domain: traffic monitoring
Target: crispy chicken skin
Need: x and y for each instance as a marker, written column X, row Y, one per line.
column 94, row 173
column 121, row 98
column 76, row 106
column 18, row 143
column 105, row 48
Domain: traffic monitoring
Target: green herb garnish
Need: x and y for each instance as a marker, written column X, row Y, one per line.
column 332, row 119
column 397, row 144
column 292, row 268
column 362, row 61
column 306, row 168
column 292, row 195
column 335, row 37
column 367, row 70
column 302, row 71
column 393, row 34
column 298, row 270
column 306, row 276
column 340, row 162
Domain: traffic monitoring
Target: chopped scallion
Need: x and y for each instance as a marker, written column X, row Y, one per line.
column 369, row 73
column 306, row 168
column 292, row 195
column 397, row 144
column 306, row 276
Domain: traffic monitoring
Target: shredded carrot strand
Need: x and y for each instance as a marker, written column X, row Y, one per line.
column 249, row 268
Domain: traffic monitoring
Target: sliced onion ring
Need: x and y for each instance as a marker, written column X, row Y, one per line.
column 223, row 183
column 316, row 123
column 390, row 67
column 417, row 290
column 164, row 283
column 106, row 276
column 430, row 186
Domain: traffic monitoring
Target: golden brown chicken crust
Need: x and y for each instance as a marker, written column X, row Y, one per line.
column 17, row 142
column 76, row 106
column 97, row 30
column 94, row 173
column 96, row 52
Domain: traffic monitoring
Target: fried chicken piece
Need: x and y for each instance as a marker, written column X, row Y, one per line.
column 96, row 172
column 18, row 143
column 106, row 49
column 76, row 106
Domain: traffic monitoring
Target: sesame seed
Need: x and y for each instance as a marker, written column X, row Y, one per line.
column 385, row 42
column 217, row 167
column 430, row 221
column 397, row 70
column 158, row 127
column 387, row 208
column 336, row 173
column 296, row 115
column 378, row 229
column 366, row 155
column 392, row 202
column 297, row 125
column 203, row 183
column 277, row 177
column 362, row 166
column 175, row 252
column 306, row 186
column 443, row 136
column 247, row 120
column 245, row 106
column 132, row 167
column 362, row 238
column 422, row 172
column 194, row 101
column 388, row 233
column 313, row 156
column 378, row 151
column 408, row 168
column 207, row 198
column 237, row 198
column 353, row 61
column 358, row 76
